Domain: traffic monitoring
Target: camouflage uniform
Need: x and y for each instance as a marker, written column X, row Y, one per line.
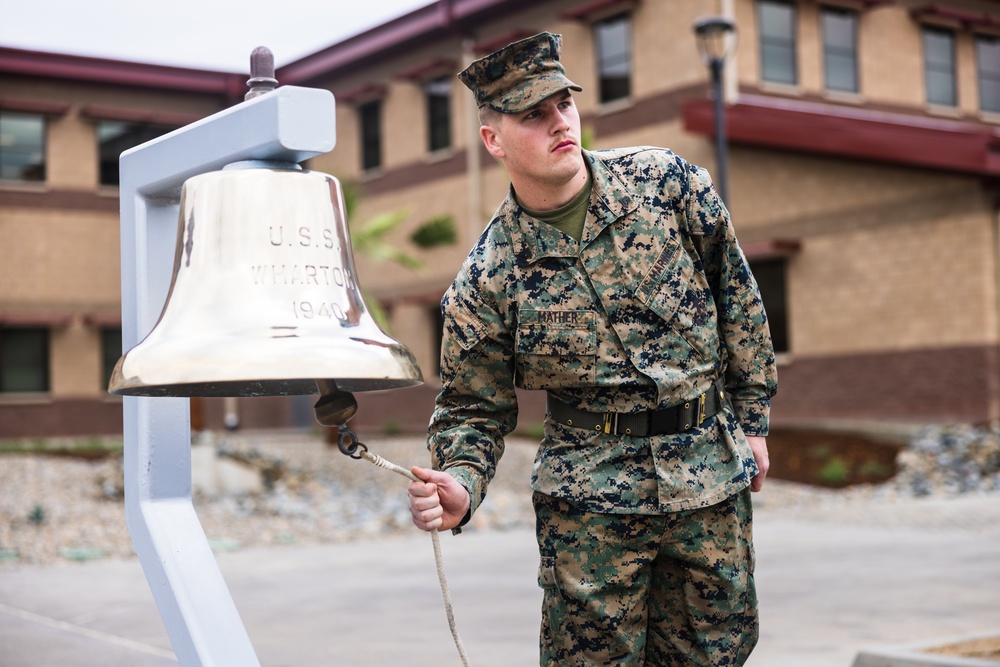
column 647, row 310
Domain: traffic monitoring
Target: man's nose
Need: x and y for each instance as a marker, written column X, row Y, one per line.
column 561, row 121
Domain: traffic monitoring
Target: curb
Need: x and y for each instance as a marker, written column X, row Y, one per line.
column 915, row 655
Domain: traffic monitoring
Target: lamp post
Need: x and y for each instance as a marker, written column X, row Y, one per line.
column 714, row 37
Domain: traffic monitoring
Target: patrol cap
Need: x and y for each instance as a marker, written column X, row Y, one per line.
column 520, row 75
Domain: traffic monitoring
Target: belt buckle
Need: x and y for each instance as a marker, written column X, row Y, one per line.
column 701, row 408
column 610, row 423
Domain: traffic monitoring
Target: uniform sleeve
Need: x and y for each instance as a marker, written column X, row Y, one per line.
column 751, row 378
column 477, row 405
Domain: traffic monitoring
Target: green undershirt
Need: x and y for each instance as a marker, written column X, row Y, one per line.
column 570, row 217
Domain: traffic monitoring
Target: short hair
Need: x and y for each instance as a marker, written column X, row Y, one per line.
column 489, row 116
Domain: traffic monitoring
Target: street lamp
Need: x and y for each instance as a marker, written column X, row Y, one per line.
column 714, row 36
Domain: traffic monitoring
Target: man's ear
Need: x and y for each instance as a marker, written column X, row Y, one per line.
column 491, row 139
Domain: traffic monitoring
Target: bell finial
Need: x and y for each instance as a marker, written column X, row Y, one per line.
column 261, row 73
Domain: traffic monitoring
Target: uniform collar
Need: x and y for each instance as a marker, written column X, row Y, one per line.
column 534, row 240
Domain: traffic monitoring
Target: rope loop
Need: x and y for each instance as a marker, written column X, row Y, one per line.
column 348, row 444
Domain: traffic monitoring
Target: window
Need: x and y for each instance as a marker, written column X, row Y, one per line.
column 988, row 72
column 777, row 42
column 840, row 49
column 939, row 67
column 614, row 64
column 438, row 94
column 111, row 351
column 370, row 114
column 116, row 137
column 24, row 360
column 770, row 276
column 22, row 147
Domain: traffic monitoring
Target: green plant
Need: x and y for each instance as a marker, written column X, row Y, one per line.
column 535, row 430
column 835, row 471
column 874, row 469
column 370, row 239
column 439, row 230
column 391, row 427
column 36, row 516
column 820, row 451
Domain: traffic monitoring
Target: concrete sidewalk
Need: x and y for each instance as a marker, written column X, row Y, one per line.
column 828, row 589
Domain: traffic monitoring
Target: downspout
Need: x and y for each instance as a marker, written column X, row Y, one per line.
column 731, row 84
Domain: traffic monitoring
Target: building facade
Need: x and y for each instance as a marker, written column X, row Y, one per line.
column 864, row 178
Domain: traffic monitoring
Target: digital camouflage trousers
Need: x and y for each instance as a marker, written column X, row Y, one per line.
column 674, row 590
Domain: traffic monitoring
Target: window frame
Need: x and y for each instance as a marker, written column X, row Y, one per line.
column 848, row 53
column 767, row 270
column 926, row 31
column 108, row 164
column 111, row 352
column 42, row 148
column 44, row 379
column 606, row 63
column 370, row 134
column 981, row 75
column 437, row 102
column 788, row 44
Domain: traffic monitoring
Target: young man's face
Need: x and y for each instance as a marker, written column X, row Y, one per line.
column 541, row 144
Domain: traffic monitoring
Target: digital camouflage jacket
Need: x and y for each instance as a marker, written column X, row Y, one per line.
column 653, row 304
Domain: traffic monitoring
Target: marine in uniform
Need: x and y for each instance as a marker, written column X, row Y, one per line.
column 631, row 304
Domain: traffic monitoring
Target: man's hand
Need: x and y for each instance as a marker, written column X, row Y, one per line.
column 758, row 445
column 437, row 502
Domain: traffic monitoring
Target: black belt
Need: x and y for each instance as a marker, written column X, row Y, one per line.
column 668, row 421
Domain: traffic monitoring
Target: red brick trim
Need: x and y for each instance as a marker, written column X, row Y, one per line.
column 95, row 112
column 598, row 8
column 34, row 106
column 62, row 200
column 40, row 319
column 104, row 70
column 920, row 141
column 926, row 385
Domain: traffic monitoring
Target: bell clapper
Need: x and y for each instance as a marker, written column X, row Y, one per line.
column 334, row 407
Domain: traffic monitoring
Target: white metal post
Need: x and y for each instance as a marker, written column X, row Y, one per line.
column 290, row 124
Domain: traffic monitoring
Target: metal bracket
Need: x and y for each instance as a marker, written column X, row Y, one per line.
column 290, row 124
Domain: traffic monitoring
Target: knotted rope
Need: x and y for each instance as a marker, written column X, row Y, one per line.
column 348, row 443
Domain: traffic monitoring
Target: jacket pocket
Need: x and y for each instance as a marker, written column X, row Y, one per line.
column 556, row 348
column 679, row 294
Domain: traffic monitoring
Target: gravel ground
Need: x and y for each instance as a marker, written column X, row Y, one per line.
column 56, row 509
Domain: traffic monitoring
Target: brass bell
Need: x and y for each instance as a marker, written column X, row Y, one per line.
column 264, row 299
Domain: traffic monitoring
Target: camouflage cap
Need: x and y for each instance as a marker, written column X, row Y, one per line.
column 520, row 75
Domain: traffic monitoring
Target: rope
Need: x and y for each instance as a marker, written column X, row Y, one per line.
column 357, row 450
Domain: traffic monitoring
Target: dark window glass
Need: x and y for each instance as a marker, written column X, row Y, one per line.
column 116, row 137
column 438, row 114
column 770, row 275
column 22, row 147
column 111, row 350
column 777, row 41
column 614, row 63
column 939, row 67
column 988, row 67
column 371, row 134
column 24, row 360
column 840, row 49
